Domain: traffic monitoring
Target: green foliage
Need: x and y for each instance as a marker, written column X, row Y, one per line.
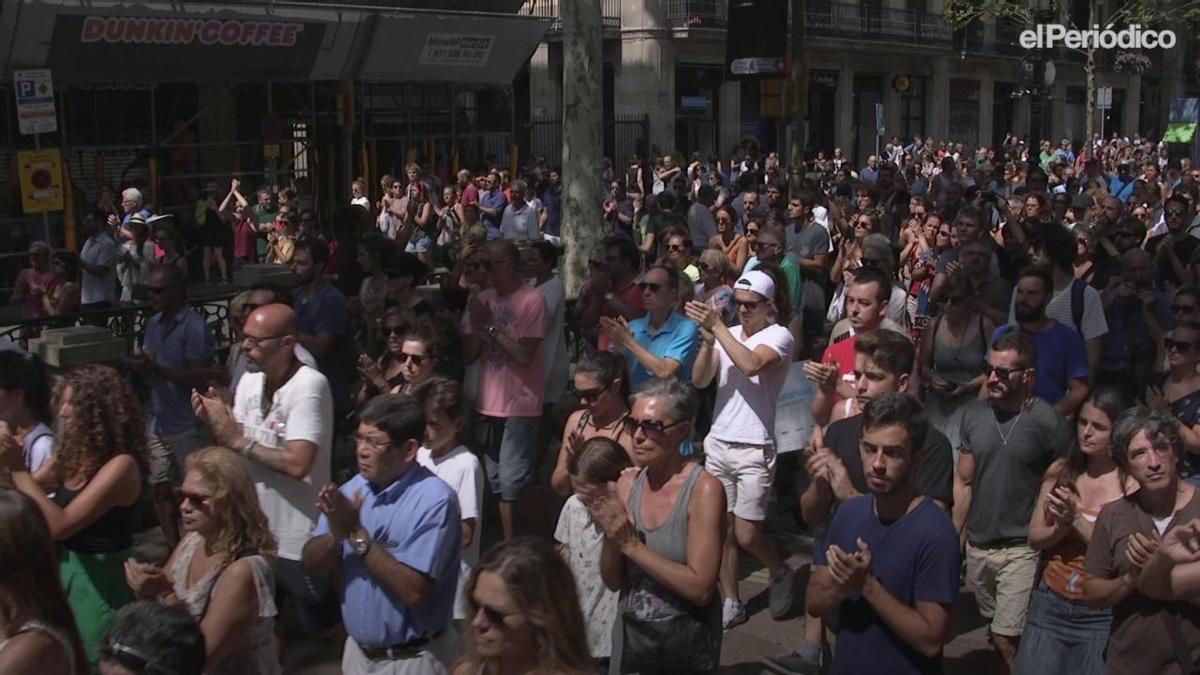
column 960, row 13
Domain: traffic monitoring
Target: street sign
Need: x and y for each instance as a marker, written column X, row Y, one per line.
column 41, row 180
column 756, row 66
column 1104, row 98
column 36, row 113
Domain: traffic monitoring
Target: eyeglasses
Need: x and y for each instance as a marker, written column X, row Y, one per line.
column 1002, row 373
column 750, row 305
column 493, row 615
column 650, row 286
column 257, row 340
column 196, row 500
column 405, row 357
column 675, row 247
column 752, row 232
column 1177, row 308
column 586, row 395
column 1176, row 212
column 1177, row 345
column 359, row 439
column 392, row 330
column 652, row 429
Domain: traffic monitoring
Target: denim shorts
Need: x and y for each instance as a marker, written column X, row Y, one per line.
column 507, row 445
column 1062, row 636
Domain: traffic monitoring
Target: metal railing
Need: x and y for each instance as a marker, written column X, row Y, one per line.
column 689, row 14
column 610, row 12
column 863, row 22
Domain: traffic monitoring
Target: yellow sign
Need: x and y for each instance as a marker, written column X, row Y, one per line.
column 271, row 150
column 41, row 180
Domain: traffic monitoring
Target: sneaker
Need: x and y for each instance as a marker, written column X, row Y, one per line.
column 782, row 594
column 733, row 613
column 791, row 664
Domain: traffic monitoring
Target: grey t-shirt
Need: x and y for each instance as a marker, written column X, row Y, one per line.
column 1008, row 475
column 807, row 244
column 701, row 225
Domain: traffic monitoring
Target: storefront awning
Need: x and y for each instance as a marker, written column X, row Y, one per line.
column 90, row 41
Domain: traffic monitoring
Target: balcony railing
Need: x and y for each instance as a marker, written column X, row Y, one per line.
column 689, row 14
column 863, row 22
column 610, row 12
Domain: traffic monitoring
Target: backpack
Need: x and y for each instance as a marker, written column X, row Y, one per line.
column 1078, row 286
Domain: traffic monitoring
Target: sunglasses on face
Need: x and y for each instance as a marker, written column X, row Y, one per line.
column 704, row 267
column 749, row 305
column 675, row 247
column 405, row 357
column 1002, row 373
column 389, row 331
column 652, row 429
column 870, row 262
column 493, row 615
column 587, row 395
column 752, row 232
column 1176, row 213
column 650, row 286
column 196, row 500
column 1177, row 345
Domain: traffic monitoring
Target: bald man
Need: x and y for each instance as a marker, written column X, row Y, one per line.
column 1137, row 312
column 282, row 423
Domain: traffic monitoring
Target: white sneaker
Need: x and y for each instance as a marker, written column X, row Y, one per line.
column 733, row 613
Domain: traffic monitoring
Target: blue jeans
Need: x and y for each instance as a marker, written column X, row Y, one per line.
column 507, row 444
column 1062, row 636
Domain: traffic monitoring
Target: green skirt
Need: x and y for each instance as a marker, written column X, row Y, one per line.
column 96, row 589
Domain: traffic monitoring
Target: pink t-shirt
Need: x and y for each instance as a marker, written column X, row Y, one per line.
column 32, row 307
column 505, row 388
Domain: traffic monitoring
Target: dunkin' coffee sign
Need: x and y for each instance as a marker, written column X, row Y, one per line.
column 168, row 31
column 91, row 48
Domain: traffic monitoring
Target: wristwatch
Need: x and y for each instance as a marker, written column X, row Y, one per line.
column 361, row 543
column 493, row 331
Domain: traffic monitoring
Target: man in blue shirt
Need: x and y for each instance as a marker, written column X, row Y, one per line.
column 392, row 532
column 324, row 319
column 177, row 355
column 891, row 568
column 663, row 343
column 1062, row 369
column 1121, row 185
column 492, row 203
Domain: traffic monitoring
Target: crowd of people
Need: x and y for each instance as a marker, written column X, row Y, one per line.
column 997, row 354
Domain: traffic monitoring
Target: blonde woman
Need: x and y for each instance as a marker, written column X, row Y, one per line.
column 221, row 570
column 524, row 614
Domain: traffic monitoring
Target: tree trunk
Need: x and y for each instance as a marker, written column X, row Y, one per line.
column 582, row 163
column 798, row 93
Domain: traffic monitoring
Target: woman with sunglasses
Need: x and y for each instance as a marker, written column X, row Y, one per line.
column 1062, row 634
column 727, row 240
column 679, row 253
column 1085, row 250
column 283, row 240
column 62, row 294
column 601, row 383
column 97, row 475
column 37, row 632
column 385, row 374
column 952, row 357
column 849, row 256
column 714, row 289
column 221, row 570
column 524, row 614
column 1177, row 391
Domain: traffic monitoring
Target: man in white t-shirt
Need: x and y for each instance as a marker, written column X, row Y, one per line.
column 752, row 362
column 282, row 423
column 457, row 466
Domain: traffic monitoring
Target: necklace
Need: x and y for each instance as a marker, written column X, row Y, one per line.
column 1003, row 437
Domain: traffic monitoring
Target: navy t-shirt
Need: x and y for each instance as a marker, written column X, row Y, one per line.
column 327, row 311
column 916, row 558
column 1061, row 357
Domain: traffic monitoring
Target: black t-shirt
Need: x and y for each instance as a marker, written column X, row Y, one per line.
column 934, row 475
column 1185, row 245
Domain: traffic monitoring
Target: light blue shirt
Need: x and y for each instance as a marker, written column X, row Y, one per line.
column 678, row 338
column 185, row 341
column 416, row 521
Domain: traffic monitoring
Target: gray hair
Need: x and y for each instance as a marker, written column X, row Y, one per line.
column 1161, row 428
column 681, row 400
column 132, row 194
column 519, row 187
column 880, row 244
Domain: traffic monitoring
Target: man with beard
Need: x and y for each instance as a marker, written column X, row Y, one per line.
column 323, row 316
column 1174, row 249
column 282, row 423
column 894, row 610
column 1062, row 363
column 1008, row 440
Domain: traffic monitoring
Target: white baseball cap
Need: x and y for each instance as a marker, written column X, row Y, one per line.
column 759, row 282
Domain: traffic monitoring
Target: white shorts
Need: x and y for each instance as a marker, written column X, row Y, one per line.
column 747, row 472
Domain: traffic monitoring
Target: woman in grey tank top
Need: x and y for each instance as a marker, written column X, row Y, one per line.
column 662, row 548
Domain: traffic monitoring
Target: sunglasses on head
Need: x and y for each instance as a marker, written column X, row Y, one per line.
column 1177, row 345
column 652, row 429
column 1002, row 373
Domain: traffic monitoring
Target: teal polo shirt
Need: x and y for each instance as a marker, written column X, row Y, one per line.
column 678, row 338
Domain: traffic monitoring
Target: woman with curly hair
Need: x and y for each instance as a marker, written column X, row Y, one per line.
column 97, row 474
column 221, row 570
column 37, row 633
column 524, row 613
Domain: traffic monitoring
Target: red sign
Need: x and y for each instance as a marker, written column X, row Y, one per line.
column 172, row 31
